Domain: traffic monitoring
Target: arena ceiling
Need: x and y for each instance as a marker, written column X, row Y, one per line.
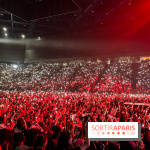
column 94, row 22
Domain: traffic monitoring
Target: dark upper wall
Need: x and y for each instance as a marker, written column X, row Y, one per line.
column 11, row 52
column 28, row 50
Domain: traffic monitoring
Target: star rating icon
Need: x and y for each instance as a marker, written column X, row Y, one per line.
column 108, row 133
column 113, row 133
column 97, row 132
column 103, row 133
column 123, row 133
column 118, row 133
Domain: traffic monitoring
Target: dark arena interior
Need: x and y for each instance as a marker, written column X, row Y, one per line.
column 64, row 63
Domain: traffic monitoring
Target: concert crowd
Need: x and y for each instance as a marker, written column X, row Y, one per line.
column 46, row 106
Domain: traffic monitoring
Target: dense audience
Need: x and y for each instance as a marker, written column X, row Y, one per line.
column 143, row 83
column 116, row 78
column 80, row 76
column 47, row 106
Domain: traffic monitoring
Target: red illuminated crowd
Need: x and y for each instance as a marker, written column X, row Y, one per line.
column 47, row 106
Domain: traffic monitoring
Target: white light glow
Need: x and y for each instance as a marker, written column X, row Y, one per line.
column 5, row 29
column 15, row 66
column 23, row 36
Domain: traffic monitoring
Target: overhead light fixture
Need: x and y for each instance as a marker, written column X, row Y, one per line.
column 6, row 34
column 5, row 29
column 1, row 14
column 39, row 38
column 23, row 36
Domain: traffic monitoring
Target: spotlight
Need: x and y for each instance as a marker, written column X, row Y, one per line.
column 23, row 36
column 6, row 34
column 15, row 66
column 39, row 38
column 5, row 29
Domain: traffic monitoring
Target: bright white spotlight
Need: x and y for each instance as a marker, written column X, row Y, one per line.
column 15, row 66
column 5, row 29
column 23, row 36
column 39, row 38
column 6, row 34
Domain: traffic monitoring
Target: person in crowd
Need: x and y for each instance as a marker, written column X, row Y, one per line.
column 40, row 142
column 79, row 137
column 6, row 136
column 2, row 124
column 53, row 139
column 19, row 141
